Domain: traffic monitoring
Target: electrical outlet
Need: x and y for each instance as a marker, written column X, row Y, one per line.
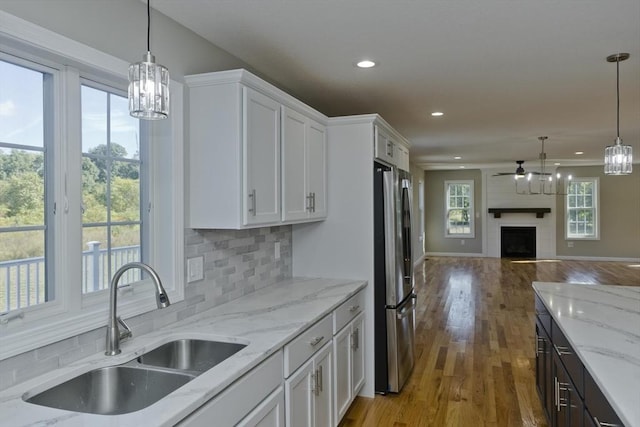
column 195, row 269
column 462, row 242
column 569, row 244
column 276, row 250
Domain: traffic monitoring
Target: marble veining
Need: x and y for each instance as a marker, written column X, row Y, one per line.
column 265, row 320
column 602, row 323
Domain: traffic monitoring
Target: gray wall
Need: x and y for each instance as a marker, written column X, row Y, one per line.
column 434, row 212
column 236, row 262
column 619, row 216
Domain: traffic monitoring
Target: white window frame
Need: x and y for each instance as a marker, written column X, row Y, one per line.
column 596, row 210
column 70, row 314
column 472, row 227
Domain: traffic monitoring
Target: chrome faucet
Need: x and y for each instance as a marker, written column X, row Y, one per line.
column 113, row 331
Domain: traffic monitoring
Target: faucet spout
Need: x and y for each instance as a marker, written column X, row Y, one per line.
column 113, row 331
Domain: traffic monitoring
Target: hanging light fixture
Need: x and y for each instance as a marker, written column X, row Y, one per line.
column 618, row 158
column 545, row 183
column 148, row 84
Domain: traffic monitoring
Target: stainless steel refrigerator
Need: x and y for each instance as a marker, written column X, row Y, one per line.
column 394, row 299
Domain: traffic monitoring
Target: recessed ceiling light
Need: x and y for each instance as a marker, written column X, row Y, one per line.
column 462, row 167
column 437, row 114
column 579, row 152
column 457, row 158
column 366, row 64
column 556, row 164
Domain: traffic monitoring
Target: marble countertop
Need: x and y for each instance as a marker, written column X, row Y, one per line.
column 265, row 320
column 602, row 323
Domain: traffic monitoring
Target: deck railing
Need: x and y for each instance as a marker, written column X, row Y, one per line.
column 22, row 281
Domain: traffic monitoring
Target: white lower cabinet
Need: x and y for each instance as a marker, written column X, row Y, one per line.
column 270, row 413
column 250, row 400
column 348, row 353
column 308, row 391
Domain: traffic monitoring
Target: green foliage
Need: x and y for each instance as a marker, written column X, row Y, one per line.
column 22, row 199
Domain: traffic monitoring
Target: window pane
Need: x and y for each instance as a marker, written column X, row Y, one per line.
column 94, row 120
column 95, row 259
column 21, row 105
column 21, row 188
column 125, row 248
column 125, row 138
column 22, row 270
column 94, row 190
column 125, row 192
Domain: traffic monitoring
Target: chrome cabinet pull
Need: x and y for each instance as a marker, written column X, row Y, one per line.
column 603, row 424
column 320, row 385
column 314, row 342
column 562, row 402
column 309, row 203
column 314, row 378
column 354, row 308
column 252, row 199
column 556, row 393
column 313, row 202
column 355, row 340
column 562, row 351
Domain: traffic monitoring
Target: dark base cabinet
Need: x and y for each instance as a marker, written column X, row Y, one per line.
column 569, row 395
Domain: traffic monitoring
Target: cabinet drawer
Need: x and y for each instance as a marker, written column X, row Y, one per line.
column 597, row 405
column 569, row 358
column 347, row 311
column 306, row 344
column 231, row 406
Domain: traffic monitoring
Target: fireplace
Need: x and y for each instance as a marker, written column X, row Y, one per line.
column 518, row 242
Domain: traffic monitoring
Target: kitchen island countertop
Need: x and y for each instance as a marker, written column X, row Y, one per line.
column 265, row 320
column 602, row 324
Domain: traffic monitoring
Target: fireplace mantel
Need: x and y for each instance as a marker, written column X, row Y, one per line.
column 497, row 212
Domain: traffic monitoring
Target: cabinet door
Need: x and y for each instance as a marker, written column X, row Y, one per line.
column 295, row 204
column 299, row 396
column 323, row 405
column 316, row 166
column 569, row 405
column 342, row 371
column 261, row 158
column 269, row 413
column 544, row 379
column 357, row 348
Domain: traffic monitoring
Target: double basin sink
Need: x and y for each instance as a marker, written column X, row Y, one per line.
column 134, row 385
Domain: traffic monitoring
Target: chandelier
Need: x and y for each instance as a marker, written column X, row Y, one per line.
column 618, row 157
column 148, row 84
column 543, row 182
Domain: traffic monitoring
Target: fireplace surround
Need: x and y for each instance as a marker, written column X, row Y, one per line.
column 517, row 242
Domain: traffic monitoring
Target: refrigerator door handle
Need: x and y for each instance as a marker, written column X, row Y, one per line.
column 408, row 309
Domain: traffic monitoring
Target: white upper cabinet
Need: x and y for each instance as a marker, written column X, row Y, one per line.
column 257, row 156
column 304, row 167
column 261, row 158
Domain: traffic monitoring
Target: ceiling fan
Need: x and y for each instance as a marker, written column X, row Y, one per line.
column 520, row 172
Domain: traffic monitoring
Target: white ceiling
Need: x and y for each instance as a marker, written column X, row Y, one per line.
column 504, row 72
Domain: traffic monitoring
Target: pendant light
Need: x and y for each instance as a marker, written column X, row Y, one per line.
column 618, row 158
column 148, row 84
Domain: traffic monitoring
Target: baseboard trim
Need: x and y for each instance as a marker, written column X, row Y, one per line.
column 456, row 254
column 419, row 261
column 596, row 258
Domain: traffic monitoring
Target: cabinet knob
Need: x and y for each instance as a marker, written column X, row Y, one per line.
column 252, row 199
column 354, row 308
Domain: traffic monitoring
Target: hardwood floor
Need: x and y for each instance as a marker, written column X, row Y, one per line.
column 475, row 361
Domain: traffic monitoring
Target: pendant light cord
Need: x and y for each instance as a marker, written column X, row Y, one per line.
column 148, row 26
column 618, row 95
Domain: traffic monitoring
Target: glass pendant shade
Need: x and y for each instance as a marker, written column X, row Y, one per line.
column 618, row 159
column 148, row 89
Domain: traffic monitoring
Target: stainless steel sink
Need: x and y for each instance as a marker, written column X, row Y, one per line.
column 190, row 354
column 112, row 390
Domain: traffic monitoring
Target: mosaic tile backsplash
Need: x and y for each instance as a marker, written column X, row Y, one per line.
column 236, row 263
